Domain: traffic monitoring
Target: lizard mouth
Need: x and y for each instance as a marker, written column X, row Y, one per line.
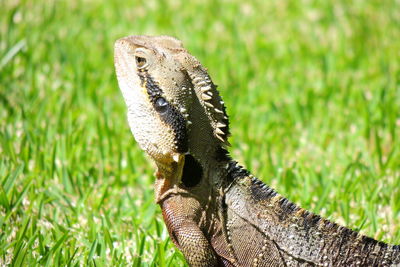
column 168, row 176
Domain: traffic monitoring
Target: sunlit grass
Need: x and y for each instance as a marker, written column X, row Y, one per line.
column 312, row 90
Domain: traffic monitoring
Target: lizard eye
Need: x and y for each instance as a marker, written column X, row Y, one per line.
column 161, row 105
column 140, row 62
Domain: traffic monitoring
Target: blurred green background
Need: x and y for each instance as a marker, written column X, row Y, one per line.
column 312, row 89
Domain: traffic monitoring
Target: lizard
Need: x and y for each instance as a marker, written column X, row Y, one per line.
column 217, row 213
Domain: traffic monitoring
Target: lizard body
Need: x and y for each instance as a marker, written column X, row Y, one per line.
column 216, row 212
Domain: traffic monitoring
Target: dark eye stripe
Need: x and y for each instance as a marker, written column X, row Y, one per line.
column 167, row 112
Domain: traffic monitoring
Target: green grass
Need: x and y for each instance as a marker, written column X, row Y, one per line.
column 312, row 89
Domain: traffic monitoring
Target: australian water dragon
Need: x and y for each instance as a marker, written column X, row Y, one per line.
column 217, row 213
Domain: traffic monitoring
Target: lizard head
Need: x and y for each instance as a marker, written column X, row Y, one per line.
column 174, row 108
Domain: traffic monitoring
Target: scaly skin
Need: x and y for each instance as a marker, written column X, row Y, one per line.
column 216, row 212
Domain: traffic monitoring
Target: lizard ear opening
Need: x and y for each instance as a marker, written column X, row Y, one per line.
column 192, row 172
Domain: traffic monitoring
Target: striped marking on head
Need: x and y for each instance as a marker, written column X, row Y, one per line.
column 168, row 113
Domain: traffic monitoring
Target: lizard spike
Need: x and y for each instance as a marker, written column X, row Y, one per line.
column 196, row 79
column 208, row 104
column 205, row 97
column 175, row 157
column 183, row 110
column 219, row 131
column 205, row 89
column 221, row 125
column 220, row 138
column 218, row 111
column 202, row 83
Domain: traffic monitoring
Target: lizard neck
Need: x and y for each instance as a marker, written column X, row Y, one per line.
column 206, row 150
column 206, row 164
